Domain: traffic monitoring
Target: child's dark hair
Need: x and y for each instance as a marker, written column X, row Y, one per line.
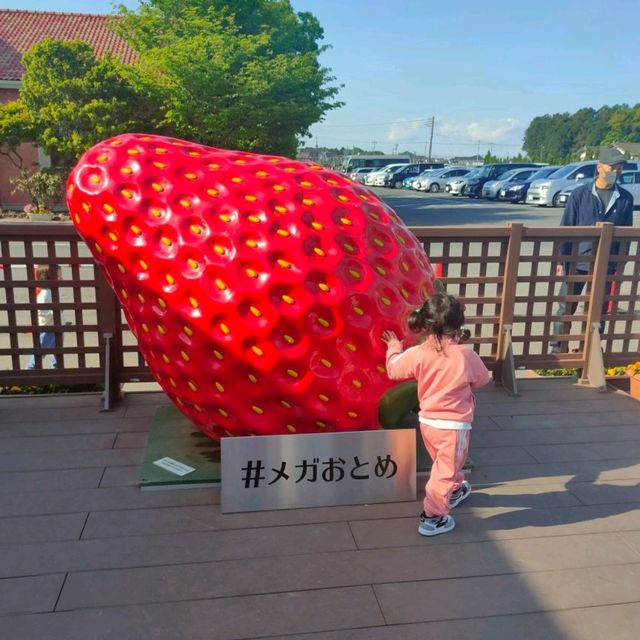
column 45, row 271
column 440, row 316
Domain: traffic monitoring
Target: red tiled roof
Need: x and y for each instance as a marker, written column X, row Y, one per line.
column 20, row 30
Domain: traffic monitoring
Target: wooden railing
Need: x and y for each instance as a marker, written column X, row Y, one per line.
column 506, row 277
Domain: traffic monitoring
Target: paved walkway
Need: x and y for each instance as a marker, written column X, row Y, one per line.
column 547, row 547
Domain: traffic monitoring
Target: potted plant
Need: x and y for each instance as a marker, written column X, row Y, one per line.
column 37, row 214
column 44, row 189
column 633, row 371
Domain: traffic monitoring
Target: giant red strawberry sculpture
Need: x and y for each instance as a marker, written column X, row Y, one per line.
column 258, row 287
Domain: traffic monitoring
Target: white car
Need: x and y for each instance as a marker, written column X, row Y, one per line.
column 547, row 191
column 491, row 189
column 375, row 178
column 437, row 180
column 629, row 180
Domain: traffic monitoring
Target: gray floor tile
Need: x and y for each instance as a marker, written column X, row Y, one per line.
column 615, row 622
column 42, row 461
column 62, row 480
column 140, row 551
column 101, row 499
column 614, row 451
column 52, row 444
column 220, row 619
column 326, row 570
column 29, row 595
column 508, row 595
column 42, row 528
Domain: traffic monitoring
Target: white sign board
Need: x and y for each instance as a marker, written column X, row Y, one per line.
column 260, row 473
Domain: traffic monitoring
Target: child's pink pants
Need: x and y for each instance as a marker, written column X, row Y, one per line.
column 448, row 449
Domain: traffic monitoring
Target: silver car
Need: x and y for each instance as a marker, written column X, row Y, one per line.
column 437, row 180
column 491, row 189
column 358, row 174
column 456, row 186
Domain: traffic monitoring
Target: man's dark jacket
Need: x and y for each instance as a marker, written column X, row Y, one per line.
column 584, row 209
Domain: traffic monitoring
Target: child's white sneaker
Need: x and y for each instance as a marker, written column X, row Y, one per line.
column 435, row 525
column 460, row 494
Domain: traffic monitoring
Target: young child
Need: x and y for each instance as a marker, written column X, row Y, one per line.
column 45, row 312
column 446, row 372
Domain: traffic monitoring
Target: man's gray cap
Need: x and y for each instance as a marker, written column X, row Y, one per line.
column 611, row 156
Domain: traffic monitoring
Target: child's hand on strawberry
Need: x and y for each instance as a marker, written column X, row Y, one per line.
column 389, row 336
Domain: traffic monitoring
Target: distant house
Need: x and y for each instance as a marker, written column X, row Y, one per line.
column 473, row 161
column 630, row 149
column 19, row 31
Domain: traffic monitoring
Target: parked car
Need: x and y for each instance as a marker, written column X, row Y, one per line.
column 491, row 172
column 371, row 178
column 410, row 181
column 516, row 191
column 359, row 173
column 437, row 180
column 547, row 192
column 563, row 196
column 394, row 178
column 491, row 189
column 457, row 186
column 629, row 180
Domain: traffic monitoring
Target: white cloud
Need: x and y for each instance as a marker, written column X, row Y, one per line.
column 493, row 131
column 404, row 130
column 481, row 130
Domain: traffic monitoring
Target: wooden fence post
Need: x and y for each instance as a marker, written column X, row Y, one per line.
column 505, row 372
column 593, row 372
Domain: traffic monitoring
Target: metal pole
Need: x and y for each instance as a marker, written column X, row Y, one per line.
column 433, row 121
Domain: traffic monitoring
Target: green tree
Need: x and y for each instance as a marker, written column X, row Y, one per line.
column 75, row 100
column 16, row 127
column 236, row 75
column 489, row 158
column 563, row 137
column 624, row 126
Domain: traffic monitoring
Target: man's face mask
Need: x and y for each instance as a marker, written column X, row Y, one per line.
column 610, row 176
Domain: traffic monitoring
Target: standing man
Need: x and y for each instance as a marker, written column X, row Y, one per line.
column 600, row 201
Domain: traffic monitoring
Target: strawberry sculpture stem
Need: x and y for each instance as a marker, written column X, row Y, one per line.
column 257, row 287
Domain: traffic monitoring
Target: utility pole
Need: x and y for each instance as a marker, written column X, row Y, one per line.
column 374, row 143
column 430, row 122
column 395, row 149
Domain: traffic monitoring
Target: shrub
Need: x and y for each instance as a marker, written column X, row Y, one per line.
column 43, row 187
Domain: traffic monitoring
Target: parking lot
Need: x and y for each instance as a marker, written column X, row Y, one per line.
column 440, row 209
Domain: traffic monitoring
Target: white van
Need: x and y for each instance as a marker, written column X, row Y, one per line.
column 547, row 191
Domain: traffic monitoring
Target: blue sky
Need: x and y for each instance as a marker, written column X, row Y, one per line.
column 482, row 69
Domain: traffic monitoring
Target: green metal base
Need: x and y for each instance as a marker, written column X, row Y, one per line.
column 173, row 436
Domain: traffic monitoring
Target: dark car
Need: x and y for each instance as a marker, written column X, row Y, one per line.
column 517, row 191
column 491, row 172
column 395, row 178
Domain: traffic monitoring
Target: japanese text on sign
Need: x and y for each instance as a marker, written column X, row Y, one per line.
column 281, row 472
